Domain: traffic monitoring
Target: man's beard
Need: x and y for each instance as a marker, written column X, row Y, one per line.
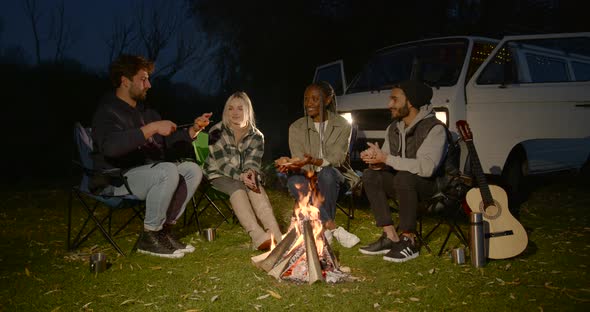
column 402, row 112
column 138, row 96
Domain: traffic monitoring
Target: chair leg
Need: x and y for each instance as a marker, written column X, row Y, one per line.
column 194, row 214
column 456, row 230
column 212, row 203
column 98, row 224
column 431, row 231
column 442, row 248
column 110, row 219
column 70, row 220
column 349, row 213
column 419, row 237
column 90, row 211
column 136, row 214
column 453, row 228
column 460, row 234
column 351, row 208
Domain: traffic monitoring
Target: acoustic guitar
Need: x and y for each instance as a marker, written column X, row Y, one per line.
column 505, row 237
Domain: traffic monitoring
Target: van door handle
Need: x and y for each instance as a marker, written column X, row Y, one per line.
column 583, row 105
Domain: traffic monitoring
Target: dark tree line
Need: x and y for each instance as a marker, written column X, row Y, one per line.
column 267, row 48
column 271, row 48
column 41, row 104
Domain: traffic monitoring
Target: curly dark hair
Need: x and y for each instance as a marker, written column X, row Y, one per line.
column 127, row 66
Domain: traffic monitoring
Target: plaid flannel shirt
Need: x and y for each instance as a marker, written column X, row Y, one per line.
column 227, row 159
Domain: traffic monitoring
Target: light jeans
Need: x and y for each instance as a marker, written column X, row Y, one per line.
column 157, row 184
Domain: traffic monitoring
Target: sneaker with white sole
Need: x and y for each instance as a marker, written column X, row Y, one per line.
column 381, row 246
column 402, row 251
column 156, row 243
column 345, row 238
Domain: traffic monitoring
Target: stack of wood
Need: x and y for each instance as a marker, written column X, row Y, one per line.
column 303, row 255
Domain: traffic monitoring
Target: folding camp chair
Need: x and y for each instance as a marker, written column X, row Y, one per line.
column 92, row 200
column 447, row 209
column 346, row 201
column 206, row 189
column 447, row 206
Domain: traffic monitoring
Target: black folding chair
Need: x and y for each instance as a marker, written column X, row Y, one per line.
column 447, row 206
column 345, row 202
column 91, row 199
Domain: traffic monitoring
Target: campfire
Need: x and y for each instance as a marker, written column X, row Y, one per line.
column 304, row 254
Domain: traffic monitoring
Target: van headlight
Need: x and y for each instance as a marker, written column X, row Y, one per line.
column 348, row 117
column 442, row 114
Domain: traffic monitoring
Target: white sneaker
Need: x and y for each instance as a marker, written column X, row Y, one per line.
column 345, row 238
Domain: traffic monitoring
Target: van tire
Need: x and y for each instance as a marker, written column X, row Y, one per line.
column 514, row 178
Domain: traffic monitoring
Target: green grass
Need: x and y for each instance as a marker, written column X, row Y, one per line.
column 38, row 274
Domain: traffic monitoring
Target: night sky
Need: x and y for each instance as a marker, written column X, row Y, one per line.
column 91, row 21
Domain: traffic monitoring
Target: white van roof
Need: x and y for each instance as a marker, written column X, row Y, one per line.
column 439, row 38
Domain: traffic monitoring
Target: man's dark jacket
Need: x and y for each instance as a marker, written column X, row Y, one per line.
column 118, row 139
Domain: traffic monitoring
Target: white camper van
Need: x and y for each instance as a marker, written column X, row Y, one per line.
column 526, row 98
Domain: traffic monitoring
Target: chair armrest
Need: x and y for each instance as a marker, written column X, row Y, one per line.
column 116, row 174
column 99, row 179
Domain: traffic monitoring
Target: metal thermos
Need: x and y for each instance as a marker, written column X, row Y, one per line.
column 476, row 240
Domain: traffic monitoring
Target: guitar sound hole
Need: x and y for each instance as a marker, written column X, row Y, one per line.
column 491, row 212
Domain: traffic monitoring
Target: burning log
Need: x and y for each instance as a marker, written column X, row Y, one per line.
column 270, row 260
column 304, row 254
column 314, row 271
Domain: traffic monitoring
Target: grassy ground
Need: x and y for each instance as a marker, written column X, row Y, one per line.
column 37, row 274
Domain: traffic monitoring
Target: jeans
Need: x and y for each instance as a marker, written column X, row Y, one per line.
column 408, row 188
column 331, row 183
column 157, row 184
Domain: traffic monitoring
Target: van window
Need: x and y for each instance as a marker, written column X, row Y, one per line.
column 333, row 75
column 500, row 70
column 437, row 63
column 539, row 61
column 546, row 69
column 384, row 70
column 581, row 71
column 479, row 53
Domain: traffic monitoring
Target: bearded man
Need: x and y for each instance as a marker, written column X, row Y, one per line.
column 405, row 168
column 132, row 137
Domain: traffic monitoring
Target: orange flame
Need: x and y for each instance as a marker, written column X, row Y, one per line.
column 273, row 243
column 306, row 211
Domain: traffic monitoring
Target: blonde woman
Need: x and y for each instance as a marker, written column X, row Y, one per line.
column 236, row 147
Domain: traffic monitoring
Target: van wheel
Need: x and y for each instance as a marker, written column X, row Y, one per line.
column 515, row 180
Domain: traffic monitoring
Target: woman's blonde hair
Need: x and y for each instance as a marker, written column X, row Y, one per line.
column 247, row 105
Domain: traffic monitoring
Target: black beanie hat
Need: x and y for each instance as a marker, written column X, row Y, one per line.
column 418, row 93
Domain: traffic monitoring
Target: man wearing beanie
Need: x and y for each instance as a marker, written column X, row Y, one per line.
column 406, row 168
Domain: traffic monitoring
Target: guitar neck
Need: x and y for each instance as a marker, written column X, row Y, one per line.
column 480, row 177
